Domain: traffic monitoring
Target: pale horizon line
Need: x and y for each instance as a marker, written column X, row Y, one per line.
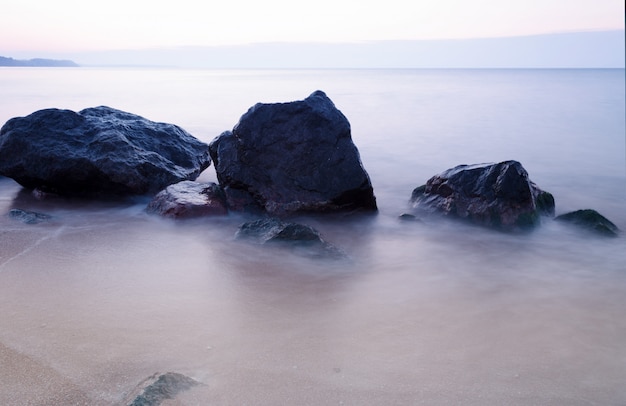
column 574, row 49
column 287, row 42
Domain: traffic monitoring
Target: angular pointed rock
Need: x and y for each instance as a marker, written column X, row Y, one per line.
column 295, row 157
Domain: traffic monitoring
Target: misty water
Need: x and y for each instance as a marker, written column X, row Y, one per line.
column 432, row 312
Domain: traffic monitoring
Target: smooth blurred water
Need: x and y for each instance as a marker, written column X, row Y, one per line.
column 434, row 313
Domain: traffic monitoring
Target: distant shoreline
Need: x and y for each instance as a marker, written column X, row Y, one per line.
column 37, row 62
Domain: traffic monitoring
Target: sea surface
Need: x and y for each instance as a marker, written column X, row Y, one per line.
column 432, row 312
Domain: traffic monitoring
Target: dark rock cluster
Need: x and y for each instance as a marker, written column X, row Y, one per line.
column 279, row 160
column 499, row 196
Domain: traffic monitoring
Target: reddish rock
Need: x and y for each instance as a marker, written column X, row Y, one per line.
column 189, row 199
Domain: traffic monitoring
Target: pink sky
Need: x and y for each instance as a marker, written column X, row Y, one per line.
column 78, row 25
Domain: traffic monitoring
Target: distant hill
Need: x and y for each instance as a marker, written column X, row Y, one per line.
column 37, row 62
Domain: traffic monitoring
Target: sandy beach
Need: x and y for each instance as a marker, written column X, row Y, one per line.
column 27, row 382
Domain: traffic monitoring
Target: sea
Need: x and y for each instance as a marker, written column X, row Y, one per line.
column 432, row 312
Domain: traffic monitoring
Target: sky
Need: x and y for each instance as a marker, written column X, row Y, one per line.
column 79, row 25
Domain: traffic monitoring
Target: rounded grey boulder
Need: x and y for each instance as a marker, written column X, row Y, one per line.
column 97, row 152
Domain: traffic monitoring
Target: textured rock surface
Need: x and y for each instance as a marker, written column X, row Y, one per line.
column 294, row 235
column 29, row 217
column 591, row 220
column 292, row 157
column 98, row 151
column 189, row 199
column 159, row 388
column 494, row 195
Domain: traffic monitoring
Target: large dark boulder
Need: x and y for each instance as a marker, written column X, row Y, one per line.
column 292, row 157
column 189, row 199
column 494, row 195
column 97, row 152
column 590, row 220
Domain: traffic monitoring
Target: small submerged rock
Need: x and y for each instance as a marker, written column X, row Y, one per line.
column 494, row 195
column 158, row 388
column 299, row 236
column 189, row 199
column 408, row 217
column 29, row 217
column 590, row 220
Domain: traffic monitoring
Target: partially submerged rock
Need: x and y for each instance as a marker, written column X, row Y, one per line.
column 97, row 152
column 158, row 388
column 590, row 220
column 286, row 158
column 407, row 217
column 29, row 217
column 275, row 231
column 494, row 195
column 189, row 199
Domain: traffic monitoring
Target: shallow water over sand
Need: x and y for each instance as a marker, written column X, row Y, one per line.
column 429, row 313
column 438, row 313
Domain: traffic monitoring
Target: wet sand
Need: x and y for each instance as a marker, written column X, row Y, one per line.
column 28, row 382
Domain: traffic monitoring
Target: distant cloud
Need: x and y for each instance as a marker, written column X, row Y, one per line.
column 603, row 49
column 71, row 25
